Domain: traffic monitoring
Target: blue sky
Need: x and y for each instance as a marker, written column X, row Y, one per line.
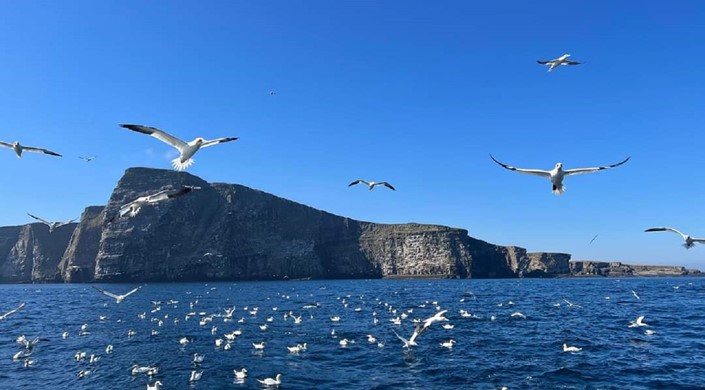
column 416, row 93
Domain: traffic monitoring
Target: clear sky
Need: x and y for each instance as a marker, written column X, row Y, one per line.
column 414, row 92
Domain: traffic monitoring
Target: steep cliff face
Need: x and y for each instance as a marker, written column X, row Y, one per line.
column 417, row 250
column 35, row 254
column 223, row 232
column 231, row 232
column 78, row 262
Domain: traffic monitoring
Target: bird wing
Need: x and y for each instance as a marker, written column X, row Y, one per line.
column 66, row 223
column 580, row 171
column 384, row 183
column 39, row 219
column 134, row 290
column 543, row 62
column 358, row 182
column 5, row 144
column 216, row 141
column 403, row 340
column 181, row 191
column 40, row 150
column 666, row 229
column 158, row 134
column 124, row 209
column 571, row 63
column 13, row 311
column 698, row 240
column 535, row 172
column 108, row 293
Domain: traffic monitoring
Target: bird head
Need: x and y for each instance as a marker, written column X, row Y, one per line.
column 200, row 141
column 564, row 56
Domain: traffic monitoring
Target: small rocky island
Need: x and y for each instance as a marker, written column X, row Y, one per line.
column 232, row 232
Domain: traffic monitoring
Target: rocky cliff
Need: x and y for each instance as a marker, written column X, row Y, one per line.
column 30, row 253
column 231, row 232
column 619, row 269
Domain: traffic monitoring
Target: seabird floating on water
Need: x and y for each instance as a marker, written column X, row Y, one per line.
column 118, row 298
column 689, row 241
column 52, row 225
column 372, row 184
column 186, row 149
column 556, row 62
column 566, row 348
column 271, row 382
column 557, row 174
column 21, row 148
column 242, row 374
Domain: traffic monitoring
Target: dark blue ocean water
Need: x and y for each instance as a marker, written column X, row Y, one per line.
column 520, row 353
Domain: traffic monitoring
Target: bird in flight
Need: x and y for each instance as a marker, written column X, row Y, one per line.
column 87, row 158
column 52, row 225
column 118, row 298
column 21, row 148
column 593, row 239
column 134, row 207
column 372, row 184
column 13, row 311
column 556, row 62
column 689, row 241
column 557, row 174
column 186, row 149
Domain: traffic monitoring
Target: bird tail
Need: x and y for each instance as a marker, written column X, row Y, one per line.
column 135, row 211
column 181, row 166
column 558, row 190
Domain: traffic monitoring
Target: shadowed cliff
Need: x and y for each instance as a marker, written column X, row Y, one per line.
column 232, row 232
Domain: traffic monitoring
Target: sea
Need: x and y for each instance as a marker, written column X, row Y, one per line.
column 510, row 334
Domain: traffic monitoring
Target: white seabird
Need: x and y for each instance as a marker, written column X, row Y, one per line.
column 448, row 344
column 411, row 342
column 242, row 374
column 689, row 241
column 271, row 382
column 21, row 148
column 134, row 207
column 372, row 184
column 118, row 298
column 638, row 322
column 195, row 376
column 13, row 311
column 87, row 158
column 186, row 149
column 156, row 386
column 556, row 62
column 52, row 225
column 557, row 174
column 566, row 348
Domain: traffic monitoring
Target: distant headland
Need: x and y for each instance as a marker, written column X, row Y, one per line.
column 231, row 232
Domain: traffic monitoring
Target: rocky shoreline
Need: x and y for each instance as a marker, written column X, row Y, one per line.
column 232, row 232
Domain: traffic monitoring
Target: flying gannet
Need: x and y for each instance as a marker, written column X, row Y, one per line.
column 689, row 241
column 556, row 62
column 371, row 184
column 186, row 149
column 87, row 158
column 21, row 148
column 13, row 311
column 557, row 174
column 133, row 208
column 638, row 322
column 52, row 225
column 118, row 298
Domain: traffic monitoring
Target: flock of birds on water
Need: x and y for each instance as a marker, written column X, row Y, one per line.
column 184, row 160
column 233, row 318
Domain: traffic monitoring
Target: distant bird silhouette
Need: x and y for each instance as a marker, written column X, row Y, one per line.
column 556, row 62
column 372, row 184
